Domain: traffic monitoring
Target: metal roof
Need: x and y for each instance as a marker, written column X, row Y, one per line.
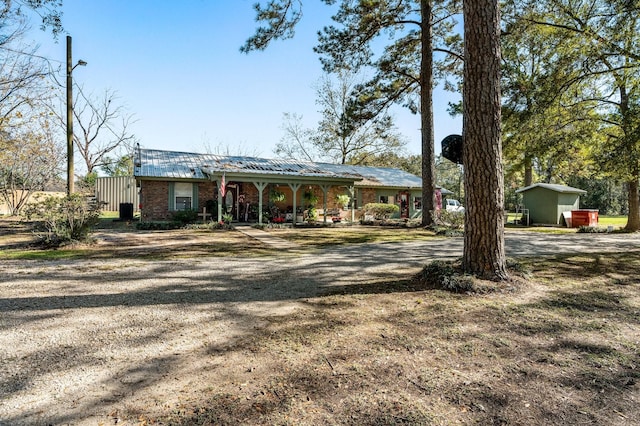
column 553, row 187
column 152, row 163
column 378, row 176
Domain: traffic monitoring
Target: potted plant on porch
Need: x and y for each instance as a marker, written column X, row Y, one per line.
column 311, row 200
column 343, row 200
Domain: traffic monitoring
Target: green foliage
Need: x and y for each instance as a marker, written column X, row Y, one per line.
column 212, row 206
column 310, row 198
column 343, row 200
column 450, row 176
column 49, row 12
column 447, row 276
column 605, row 195
column 410, row 163
column 29, row 156
column 227, row 218
column 185, row 216
column 276, row 196
column 87, row 184
column 120, row 166
column 158, row 226
column 63, row 220
column 219, row 226
column 344, row 134
column 449, row 219
column 592, row 230
column 381, row 210
column 312, row 214
column 574, row 91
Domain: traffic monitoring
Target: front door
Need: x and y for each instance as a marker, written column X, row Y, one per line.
column 230, row 200
column 404, row 205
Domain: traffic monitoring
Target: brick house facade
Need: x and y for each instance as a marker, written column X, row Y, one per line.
column 171, row 181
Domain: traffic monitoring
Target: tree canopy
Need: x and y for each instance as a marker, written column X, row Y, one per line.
column 585, row 95
column 340, row 137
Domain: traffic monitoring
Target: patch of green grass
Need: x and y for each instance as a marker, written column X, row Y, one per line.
column 111, row 223
column 620, row 221
column 109, row 215
column 41, row 254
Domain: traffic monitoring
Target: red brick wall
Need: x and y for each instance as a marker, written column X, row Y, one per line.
column 368, row 196
column 154, row 199
column 206, row 192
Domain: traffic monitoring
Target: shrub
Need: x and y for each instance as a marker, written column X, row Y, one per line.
column 449, row 219
column 158, row 226
column 185, row 216
column 62, row 220
column 312, row 214
column 343, row 200
column 591, row 230
column 381, row 210
column 227, row 218
column 447, row 276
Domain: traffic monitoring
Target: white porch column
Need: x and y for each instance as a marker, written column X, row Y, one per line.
column 294, row 187
column 219, row 184
column 260, row 186
column 352, row 193
column 325, row 189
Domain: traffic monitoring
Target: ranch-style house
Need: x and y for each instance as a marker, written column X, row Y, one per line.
column 171, row 181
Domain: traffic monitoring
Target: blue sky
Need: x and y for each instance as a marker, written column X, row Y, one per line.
column 177, row 67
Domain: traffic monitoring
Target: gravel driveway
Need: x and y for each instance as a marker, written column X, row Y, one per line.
column 82, row 341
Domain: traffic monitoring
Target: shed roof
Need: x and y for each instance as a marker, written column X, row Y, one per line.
column 553, row 187
column 152, row 163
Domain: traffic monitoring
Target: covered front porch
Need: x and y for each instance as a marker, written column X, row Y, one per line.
column 249, row 197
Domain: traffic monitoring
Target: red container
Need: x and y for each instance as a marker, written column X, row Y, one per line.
column 584, row 218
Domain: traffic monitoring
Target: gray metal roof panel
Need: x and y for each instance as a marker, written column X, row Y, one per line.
column 184, row 165
column 553, row 187
column 379, row 176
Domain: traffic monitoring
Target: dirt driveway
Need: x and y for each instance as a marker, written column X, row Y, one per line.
column 93, row 341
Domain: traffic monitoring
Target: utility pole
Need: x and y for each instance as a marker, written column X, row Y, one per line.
column 70, row 177
column 70, row 68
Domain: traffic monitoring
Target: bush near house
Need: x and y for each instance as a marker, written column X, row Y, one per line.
column 185, row 216
column 64, row 220
column 381, row 210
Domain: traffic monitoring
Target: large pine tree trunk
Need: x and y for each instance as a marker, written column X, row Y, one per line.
column 528, row 170
column 633, row 220
column 484, row 252
column 426, row 116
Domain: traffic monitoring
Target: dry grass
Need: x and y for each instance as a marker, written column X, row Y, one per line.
column 561, row 347
column 322, row 237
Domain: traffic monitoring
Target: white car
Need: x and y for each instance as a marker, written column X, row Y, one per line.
column 454, row 206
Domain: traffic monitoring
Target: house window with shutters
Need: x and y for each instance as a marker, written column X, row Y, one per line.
column 183, row 196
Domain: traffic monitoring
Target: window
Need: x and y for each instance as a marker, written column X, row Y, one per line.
column 417, row 203
column 183, row 193
column 183, row 203
column 384, row 199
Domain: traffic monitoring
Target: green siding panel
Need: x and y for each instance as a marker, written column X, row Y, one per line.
column 546, row 206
